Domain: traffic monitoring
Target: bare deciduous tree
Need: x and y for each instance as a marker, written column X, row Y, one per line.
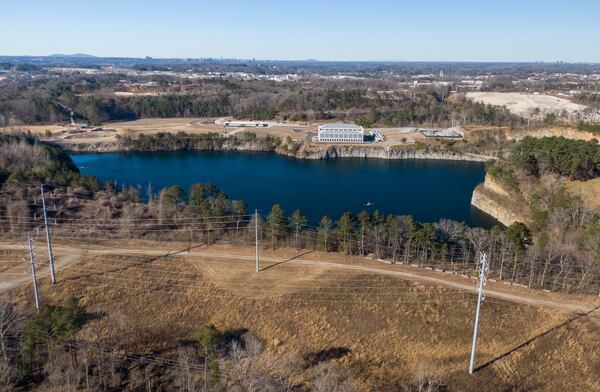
column 9, row 320
column 332, row 379
column 189, row 379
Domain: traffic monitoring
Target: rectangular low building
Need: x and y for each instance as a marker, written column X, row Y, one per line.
column 340, row 133
column 255, row 124
column 443, row 133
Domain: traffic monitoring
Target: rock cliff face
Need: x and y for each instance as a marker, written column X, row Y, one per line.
column 491, row 198
column 313, row 151
column 566, row 132
column 379, row 152
column 90, row 147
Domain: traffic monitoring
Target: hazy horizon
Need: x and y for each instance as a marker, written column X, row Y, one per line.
column 90, row 55
column 381, row 30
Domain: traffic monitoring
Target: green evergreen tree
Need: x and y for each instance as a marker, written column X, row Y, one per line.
column 277, row 223
column 345, row 231
column 324, row 232
column 208, row 338
column 297, row 223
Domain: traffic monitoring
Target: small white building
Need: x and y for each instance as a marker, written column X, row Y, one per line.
column 450, row 133
column 252, row 124
column 341, row 133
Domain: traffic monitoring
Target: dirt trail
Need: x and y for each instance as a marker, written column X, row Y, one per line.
column 64, row 261
column 529, row 297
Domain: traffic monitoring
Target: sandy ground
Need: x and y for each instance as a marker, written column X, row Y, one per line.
column 523, row 104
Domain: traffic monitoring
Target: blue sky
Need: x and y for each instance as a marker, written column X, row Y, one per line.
column 459, row 30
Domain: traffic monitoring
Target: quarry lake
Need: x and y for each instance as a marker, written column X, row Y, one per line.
column 426, row 189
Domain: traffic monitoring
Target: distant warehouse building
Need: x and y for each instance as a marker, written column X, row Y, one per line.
column 255, row 124
column 341, row 133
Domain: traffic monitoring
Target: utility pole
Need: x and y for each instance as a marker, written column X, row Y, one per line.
column 256, row 238
column 35, row 288
column 191, row 238
column 48, row 240
column 480, row 297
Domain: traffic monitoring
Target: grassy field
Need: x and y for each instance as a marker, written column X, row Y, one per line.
column 388, row 332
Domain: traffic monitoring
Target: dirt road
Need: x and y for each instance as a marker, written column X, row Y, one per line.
column 495, row 290
column 10, row 283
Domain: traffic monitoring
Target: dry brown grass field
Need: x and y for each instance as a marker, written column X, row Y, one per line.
column 588, row 190
column 387, row 331
column 107, row 132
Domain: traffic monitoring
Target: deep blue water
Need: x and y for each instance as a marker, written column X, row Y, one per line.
column 427, row 190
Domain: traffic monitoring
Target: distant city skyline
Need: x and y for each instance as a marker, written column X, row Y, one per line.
column 379, row 30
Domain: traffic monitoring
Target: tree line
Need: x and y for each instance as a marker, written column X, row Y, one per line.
column 204, row 214
column 164, row 141
column 93, row 101
column 512, row 253
column 576, row 159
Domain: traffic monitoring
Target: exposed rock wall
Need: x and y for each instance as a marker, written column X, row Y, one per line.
column 493, row 199
column 566, row 132
column 379, row 152
column 314, row 151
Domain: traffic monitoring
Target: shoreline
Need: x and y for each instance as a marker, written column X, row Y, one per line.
column 305, row 151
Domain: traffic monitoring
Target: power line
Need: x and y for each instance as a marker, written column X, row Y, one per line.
column 565, row 278
column 525, row 275
column 519, row 271
column 250, row 285
column 150, row 266
column 272, row 297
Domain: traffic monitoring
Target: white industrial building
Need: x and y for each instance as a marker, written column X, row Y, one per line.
column 450, row 133
column 255, row 124
column 341, row 133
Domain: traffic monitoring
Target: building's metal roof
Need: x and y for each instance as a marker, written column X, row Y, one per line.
column 341, row 126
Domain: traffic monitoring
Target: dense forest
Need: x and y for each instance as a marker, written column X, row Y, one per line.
column 575, row 159
column 163, row 141
column 371, row 102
